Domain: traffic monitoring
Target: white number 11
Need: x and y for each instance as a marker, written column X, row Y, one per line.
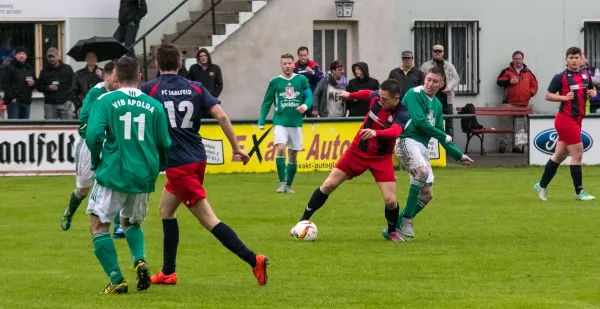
column 141, row 120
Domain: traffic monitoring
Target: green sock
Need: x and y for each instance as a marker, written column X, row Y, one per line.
column 291, row 172
column 117, row 220
column 280, row 163
column 420, row 206
column 105, row 251
column 413, row 199
column 135, row 240
column 75, row 201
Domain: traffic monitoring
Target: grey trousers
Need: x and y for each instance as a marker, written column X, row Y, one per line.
column 59, row 111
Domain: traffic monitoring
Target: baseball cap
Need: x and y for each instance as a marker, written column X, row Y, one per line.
column 438, row 47
column 407, row 53
column 52, row 51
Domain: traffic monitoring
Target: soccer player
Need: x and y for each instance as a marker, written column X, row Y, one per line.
column 371, row 150
column 292, row 96
column 426, row 122
column 574, row 86
column 85, row 176
column 185, row 102
column 127, row 160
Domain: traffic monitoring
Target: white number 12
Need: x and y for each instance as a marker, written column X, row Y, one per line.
column 141, row 120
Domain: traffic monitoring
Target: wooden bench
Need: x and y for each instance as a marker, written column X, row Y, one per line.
column 494, row 111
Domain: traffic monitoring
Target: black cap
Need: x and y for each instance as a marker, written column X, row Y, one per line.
column 20, row 49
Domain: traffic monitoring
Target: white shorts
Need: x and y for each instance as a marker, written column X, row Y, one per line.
column 105, row 204
column 83, row 163
column 291, row 136
column 413, row 155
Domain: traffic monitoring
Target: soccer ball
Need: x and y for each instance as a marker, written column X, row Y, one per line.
column 305, row 230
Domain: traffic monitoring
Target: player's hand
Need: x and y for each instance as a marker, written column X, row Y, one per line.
column 366, row 134
column 465, row 160
column 569, row 96
column 448, row 139
column 592, row 93
column 242, row 154
column 345, row 94
column 302, row 108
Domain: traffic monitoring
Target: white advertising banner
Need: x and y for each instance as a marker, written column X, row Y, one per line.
column 543, row 139
column 58, row 9
column 38, row 150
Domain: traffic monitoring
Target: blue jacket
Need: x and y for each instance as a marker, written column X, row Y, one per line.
column 313, row 79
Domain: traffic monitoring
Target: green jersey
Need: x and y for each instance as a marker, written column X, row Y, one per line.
column 88, row 104
column 136, row 144
column 287, row 95
column 426, row 121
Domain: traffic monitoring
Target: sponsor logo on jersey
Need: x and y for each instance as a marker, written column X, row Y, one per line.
column 546, row 141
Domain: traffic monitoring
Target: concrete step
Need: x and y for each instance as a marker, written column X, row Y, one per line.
column 220, row 17
column 230, row 5
column 188, row 39
column 190, row 48
column 201, row 28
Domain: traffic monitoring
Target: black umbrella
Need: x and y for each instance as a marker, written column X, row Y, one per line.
column 105, row 48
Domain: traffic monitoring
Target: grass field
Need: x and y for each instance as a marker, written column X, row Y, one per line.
column 485, row 241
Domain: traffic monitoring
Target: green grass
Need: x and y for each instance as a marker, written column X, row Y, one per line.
column 485, row 241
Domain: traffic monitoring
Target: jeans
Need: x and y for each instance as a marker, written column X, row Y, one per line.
column 18, row 110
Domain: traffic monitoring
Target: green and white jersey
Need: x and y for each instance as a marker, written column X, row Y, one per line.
column 287, row 95
column 88, row 104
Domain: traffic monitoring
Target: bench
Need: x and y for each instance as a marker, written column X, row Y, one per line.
column 494, row 111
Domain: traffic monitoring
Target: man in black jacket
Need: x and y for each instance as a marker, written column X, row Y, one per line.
column 18, row 84
column 85, row 79
column 206, row 72
column 407, row 74
column 56, row 81
column 131, row 13
column 362, row 81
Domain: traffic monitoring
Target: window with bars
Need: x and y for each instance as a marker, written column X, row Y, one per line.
column 461, row 46
column 591, row 42
column 331, row 43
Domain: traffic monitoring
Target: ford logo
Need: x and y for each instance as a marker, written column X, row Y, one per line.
column 547, row 139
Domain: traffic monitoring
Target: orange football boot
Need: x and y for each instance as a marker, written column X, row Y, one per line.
column 161, row 278
column 260, row 270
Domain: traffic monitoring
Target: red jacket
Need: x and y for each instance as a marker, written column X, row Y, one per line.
column 520, row 93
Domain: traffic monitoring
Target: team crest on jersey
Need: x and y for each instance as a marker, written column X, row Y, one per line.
column 584, row 76
column 431, row 118
column 290, row 93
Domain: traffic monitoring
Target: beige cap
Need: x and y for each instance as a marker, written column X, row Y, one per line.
column 52, row 51
column 407, row 53
column 438, row 47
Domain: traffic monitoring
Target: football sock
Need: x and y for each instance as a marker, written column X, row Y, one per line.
column 413, row 199
column 577, row 176
column 291, row 172
column 135, row 240
column 117, row 220
column 280, row 163
column 104, row 248
column 392, row 215
column 549, row 172
column 420, row 206
column 317, row 200
column 170, row 243
column 75, row 201
column 232, row 242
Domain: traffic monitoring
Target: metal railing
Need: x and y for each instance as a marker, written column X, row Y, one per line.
column 142, row 38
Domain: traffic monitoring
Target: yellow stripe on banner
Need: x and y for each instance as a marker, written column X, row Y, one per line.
column 323, row 143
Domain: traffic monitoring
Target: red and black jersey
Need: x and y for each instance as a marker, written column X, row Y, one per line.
column 579, row 83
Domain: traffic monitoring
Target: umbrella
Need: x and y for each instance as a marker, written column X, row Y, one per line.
column 105, row 48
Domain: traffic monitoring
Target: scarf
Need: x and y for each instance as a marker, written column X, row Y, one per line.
column 339, row 84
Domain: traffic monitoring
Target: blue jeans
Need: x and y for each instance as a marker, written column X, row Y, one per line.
column 18, row 110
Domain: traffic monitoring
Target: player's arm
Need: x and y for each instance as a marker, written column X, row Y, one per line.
column 163, row 139
column 266, row 105
column 451, row 149
column 554, row 87
column 400, row 120
column 417, row 112
column 96, row 128
column 308, row 97
column 219, row 114
column 591, row 90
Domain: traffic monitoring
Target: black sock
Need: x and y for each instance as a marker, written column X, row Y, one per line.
column 231, row 241
column 170, row 243
column 317, row 200
column 391, row 215
column 577, row 176
column 549, row 172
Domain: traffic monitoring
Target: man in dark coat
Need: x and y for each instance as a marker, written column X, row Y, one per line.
column 19, row 82
column 363, row 81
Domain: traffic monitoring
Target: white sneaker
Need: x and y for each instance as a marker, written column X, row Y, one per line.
column 406, row 228
column 584, row 196
column 289, row 189
column 281, row 188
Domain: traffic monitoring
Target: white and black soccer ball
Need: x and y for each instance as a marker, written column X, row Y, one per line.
column 305, row 230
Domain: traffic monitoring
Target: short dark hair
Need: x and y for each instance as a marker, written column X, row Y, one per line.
column 573, row 51
column 335, row 64
column 127, row 69
column 109, row 67
column 287, row 56
column 301, row 48
column 168, row 57
column 392, row 86
column 436, row 70
column 518, row 52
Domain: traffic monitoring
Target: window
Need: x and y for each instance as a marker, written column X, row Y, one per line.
column 332, row 41
column 591, row 42
column 461, row 44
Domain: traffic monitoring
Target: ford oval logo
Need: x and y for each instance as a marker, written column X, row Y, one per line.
column 547, row 139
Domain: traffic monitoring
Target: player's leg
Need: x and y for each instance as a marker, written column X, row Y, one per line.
column 168, row 206
column 576, row 153
column 83, row 181
column 321, row 194
column 294, row 145
column 280, row 141
column 103, row 205
column 133, row 214
column 392, row 210
column 563, row 129
column 119, row 232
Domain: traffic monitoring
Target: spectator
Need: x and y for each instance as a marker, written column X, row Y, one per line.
column 310, row 69
column 520, row 85
column 131, row 13
column 362, row 81
column 19, row 82
column 451, row 78
column 56, row 80
column 206, row 72
column 85, row 79
column 183, row 72
column 407, row 75
column 594, row 103
column 326, row 99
